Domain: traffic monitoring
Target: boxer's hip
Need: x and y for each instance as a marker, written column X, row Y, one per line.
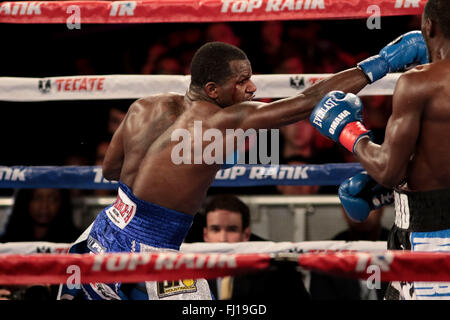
column 130, row 222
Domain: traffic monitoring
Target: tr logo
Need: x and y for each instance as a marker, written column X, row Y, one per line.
column 45, row 86
column 297, row 82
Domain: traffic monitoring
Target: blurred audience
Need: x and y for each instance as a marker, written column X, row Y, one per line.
column 167, row 64
column 298, row 140
column 153, row 54
column 290, row 65
column 301, row 139
column 222, row 32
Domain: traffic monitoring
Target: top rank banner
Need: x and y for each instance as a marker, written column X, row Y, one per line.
column 156, row 11
column 90, row 177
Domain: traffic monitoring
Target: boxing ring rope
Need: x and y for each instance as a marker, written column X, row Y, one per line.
column 194, row 11
column 138, row 267
column 90, row 177
column 220, row 247
column 97, row 87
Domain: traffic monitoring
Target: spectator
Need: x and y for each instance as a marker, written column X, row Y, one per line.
column 327, row 287
column 228, row 220
column 41, row 215
column 298, row 140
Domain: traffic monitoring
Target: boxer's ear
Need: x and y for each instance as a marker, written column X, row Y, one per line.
column 211, row 90
column 430, row 28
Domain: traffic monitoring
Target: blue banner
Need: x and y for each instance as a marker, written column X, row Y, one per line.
column 90, row 177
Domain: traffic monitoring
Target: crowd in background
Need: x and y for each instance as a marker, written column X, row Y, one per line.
column 78, row 132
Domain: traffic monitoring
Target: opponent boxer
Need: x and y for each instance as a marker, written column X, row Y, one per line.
column 157, row 198
column 413, row 159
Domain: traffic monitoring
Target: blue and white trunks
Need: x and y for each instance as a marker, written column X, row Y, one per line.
column 134, row 225
column 422, row 223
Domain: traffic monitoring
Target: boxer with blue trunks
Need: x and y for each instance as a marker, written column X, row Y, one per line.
column 133, row 225
column 411, row 167
column 166, row 184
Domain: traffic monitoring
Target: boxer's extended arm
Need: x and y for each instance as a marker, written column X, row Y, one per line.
column 387, row 163
column 112, row 163
column 276, row 114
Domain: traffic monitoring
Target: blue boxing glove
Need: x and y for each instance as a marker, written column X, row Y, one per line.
column 338, row 116
column 361, row 194
column 405, row 50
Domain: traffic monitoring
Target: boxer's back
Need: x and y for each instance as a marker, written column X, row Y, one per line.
column 429, row 168
column 148, row 165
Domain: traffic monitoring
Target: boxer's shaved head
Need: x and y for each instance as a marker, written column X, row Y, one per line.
column 211, row 63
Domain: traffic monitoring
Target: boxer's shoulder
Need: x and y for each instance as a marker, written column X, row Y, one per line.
column 415, row 84
column 160, row 99
column 427, row 74
column 158, row 104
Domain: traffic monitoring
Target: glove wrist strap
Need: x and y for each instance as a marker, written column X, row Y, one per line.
column 375, row 68
column 351, row 133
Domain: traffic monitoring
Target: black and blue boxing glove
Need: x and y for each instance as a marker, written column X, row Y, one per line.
column 338, row 116
column 405, row 50
column 361, row 194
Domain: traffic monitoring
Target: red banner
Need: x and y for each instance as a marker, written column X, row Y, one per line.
column 391, row 265
column 124, row 267
column 139, row 267
column 152, row 11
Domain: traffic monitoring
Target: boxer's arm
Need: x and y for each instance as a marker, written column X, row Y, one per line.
column 112, row 163
column 404, row 50
column 387, row 163
column 285, row 111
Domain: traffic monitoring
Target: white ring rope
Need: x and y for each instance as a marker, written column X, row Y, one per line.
column 138, row 86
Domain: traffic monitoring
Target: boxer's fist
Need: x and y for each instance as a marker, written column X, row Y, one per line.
column 338, row 116
column 405, row 50
column 361, row 194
